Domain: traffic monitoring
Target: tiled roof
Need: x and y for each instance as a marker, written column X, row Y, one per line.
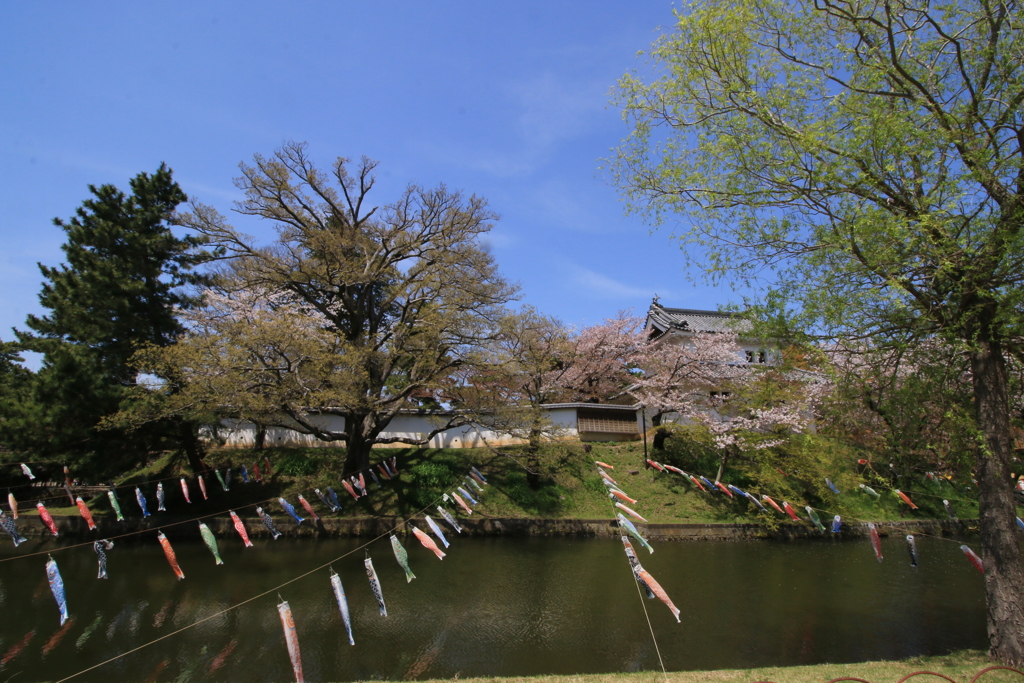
column 663, row 319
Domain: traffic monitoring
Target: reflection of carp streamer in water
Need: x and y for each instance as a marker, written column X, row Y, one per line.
column 16, row 649
column 222, row 656
column 426, row 658
column 89, row 630
column 57, row 637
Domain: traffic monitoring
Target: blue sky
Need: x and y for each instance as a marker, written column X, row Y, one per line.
column 509, row 101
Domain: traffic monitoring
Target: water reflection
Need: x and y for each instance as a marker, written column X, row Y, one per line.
column 493, row 607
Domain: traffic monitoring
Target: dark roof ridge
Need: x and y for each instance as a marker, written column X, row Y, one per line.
column 700, row 311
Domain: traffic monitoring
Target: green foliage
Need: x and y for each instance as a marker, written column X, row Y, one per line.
column 432, row 477
column 367, row 305
column 869, row 158
column 295, row 464
column 543, row 500
column 690, row 448
column 124, row 280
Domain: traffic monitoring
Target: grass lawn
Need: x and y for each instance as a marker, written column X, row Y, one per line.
column 959, row 666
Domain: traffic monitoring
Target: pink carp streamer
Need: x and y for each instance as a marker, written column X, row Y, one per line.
column 309, row 508
column 973, row 557
column 240, row 528
column 628, row 511
column 462, row 503
column 876, row 541
column 291, row 638
column 427, row 542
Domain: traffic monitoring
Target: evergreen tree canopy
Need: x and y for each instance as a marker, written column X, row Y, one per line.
column 125, row 277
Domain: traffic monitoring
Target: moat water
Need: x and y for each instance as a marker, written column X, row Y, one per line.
column 492, row 607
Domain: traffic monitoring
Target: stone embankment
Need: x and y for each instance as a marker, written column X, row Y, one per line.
column 178, row 527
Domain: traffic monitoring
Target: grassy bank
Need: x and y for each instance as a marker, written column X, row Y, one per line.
column 960, row 666
column 570, row 487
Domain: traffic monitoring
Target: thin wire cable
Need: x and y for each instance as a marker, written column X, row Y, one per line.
column 272, row 590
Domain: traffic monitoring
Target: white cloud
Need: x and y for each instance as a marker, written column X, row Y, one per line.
column 602, row 286
column 541, row 112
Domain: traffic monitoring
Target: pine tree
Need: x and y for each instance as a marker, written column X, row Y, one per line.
column 125, row 277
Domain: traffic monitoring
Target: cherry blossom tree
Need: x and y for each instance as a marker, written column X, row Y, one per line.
column 702, row 381
column 534, row 360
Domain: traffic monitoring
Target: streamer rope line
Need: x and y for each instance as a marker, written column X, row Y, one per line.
column 154, row 528
column 268, row 592
column 99, row 494
column 140, row 531
column 643, row 603
column 172, row 478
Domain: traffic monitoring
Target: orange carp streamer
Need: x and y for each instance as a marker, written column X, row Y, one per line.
column 44, row 515
column 656, row 588
column 622, row 496
column 169, row 552
column 86, row 515
column 906, row 500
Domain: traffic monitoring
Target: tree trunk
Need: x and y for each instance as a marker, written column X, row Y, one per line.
column 357, row 445
column 261, row 436
column 532, row 460
column 721, row 464
column 192, row 447
column 1000, row 551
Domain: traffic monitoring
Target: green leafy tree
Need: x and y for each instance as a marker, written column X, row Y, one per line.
column 125, row 278
column 866, row 159
column 354, row 309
